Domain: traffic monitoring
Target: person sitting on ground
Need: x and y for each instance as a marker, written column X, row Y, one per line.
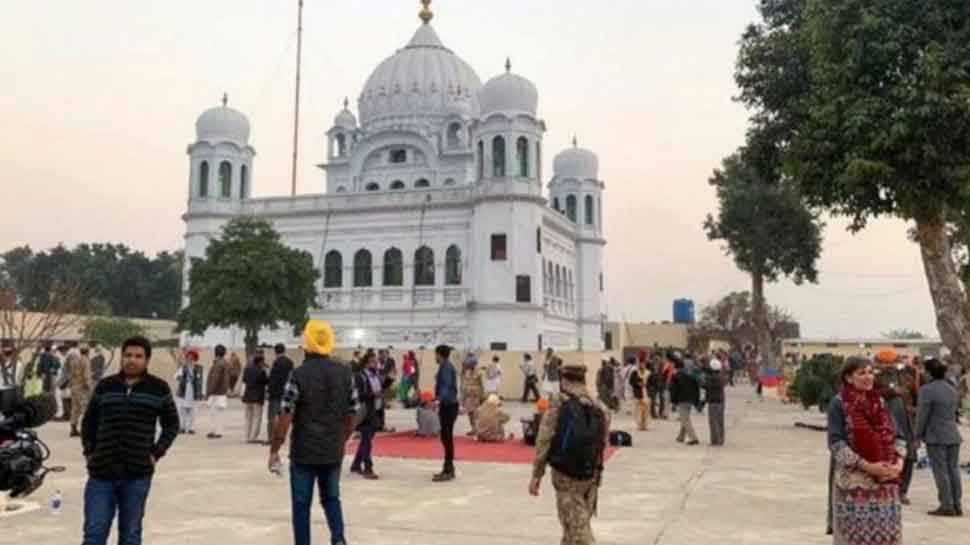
column 490, row 420
column 428, row 423
column 530, row 426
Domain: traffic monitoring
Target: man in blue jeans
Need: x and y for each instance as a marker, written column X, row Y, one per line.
column 446, row 392
column 118, row 434
column 319, row 401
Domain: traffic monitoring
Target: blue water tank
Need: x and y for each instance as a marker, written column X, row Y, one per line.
column 683, row 311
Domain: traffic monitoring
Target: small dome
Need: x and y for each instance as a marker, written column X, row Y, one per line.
column 345, row 118
column 576, row 162
column 509, row 93
column 222, row 123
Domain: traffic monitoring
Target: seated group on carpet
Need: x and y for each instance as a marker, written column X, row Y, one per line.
column 490, row 420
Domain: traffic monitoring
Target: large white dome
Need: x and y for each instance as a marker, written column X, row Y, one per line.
column 576, row 162
column 421, row 79
column 222, row 123
column 509, row 93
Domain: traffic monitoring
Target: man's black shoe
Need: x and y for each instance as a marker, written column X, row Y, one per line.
column 694, row 442
column 355, row 470
column 443, row 477
column 942, row 512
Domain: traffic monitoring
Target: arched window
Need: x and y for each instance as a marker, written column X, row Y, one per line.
column 558, row 288
column 453, row 266
column 204, row 179
column 397, row 184
column 539, row 160
column 333, row 270
column 522, row 156
column 424, row 267
column 555, row 204
column 422, row 183
column 571, row 207
column 363, row 269
column 498, row 157
column 373, row 186
column 341, row 145
column 589, row 210
column 545, row 277
column 452, row 139
column 481, row 159
column 393, row 268
column 225, row 180
column 450, row 181
column 341, row 189
column 243, row 182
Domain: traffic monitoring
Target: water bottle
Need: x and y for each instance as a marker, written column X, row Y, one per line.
column 56, row 503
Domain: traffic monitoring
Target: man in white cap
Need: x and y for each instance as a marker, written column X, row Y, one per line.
column 714, row 398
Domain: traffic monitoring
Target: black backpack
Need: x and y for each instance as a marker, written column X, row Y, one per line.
column 577, row 447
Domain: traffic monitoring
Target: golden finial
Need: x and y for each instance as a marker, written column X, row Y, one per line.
column 225, row 99
column 508, row 64
column 426, row 14
column 575, row 141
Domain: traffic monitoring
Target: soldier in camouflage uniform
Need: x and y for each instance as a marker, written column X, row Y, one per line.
column 575, row 499
column 472, row 390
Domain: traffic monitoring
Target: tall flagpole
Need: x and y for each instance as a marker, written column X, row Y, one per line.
column 296, row 115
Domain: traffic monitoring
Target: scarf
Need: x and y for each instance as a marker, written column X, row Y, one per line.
column 872, row 434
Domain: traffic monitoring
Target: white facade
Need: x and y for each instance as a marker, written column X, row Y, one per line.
column 434, row 227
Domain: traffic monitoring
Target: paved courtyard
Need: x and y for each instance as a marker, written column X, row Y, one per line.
column 767, row 486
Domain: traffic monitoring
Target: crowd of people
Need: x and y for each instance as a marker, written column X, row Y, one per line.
column 68, row 372
column 881, row 419
column 653, row 383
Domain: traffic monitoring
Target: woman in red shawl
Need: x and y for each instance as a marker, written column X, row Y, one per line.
column 865, row 507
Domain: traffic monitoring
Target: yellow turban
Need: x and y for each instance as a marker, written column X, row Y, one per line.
column 318, row 337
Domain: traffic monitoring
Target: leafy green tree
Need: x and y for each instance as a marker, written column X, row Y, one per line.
column 767, row 229
column 249, row 279
column 110, row 332
column 114, row 279
column 877, row 98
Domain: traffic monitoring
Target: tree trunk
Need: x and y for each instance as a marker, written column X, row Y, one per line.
column 252, row 344
column 759, row 311
column 948, row 297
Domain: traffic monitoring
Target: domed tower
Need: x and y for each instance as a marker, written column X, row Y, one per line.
column 221, row 163
column 221, row 158
column 577, row 192
column 341, row 141
column 507, row 219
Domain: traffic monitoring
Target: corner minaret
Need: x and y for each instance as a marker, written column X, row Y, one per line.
column 221, row 159
column 577, row 192
column 506, row 262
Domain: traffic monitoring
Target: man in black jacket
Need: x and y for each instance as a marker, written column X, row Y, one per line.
column 320, row 401
column 714, row 398
column 120, row 445
column 685, row 394
column 255, row 381
column 278, row 375
column 370, row 386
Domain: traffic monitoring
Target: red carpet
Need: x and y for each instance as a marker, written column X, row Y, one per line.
column 406, row 445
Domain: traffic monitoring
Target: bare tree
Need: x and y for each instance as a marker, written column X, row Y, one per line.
column 26, row 331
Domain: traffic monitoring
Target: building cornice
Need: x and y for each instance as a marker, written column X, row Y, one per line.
column 477, row 306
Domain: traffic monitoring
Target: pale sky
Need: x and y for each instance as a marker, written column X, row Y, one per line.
column 99, row 101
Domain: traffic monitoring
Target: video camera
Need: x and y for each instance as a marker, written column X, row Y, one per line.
column 22, row 453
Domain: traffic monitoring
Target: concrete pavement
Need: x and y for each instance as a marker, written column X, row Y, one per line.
column 766, row 486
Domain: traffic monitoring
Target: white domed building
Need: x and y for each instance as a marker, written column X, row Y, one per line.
column 433, row 225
